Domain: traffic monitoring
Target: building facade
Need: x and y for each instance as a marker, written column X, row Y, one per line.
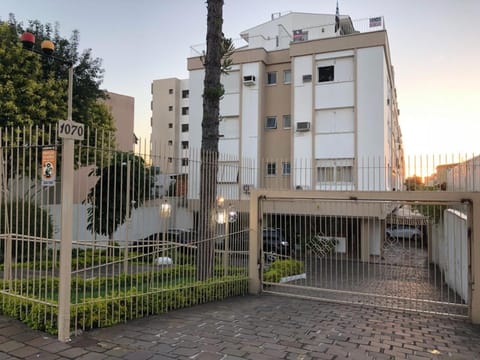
column 122, row 108
column 313, row 105
column 170, row 125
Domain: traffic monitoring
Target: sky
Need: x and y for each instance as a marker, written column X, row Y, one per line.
column 434, row 47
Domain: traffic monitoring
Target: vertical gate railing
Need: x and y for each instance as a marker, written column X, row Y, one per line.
column 401, row 250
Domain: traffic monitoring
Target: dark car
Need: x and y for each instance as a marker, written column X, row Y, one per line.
column 155, row 241
column 275, row 243
column 148, row 244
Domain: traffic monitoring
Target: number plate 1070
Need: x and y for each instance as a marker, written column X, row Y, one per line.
column 70, row 130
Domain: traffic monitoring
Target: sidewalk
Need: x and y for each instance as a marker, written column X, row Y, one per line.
column 258, row 327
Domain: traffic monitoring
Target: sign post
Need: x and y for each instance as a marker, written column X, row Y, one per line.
column 69, row 131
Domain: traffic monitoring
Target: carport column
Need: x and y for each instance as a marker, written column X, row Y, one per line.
column 253, row 246
column 475, row 259
column 365, row 240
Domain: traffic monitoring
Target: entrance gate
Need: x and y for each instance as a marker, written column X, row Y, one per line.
column 402, row 251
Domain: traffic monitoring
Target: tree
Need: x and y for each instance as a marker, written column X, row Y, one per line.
column 108, row 198
column 414, row 183
column 212, row 92
column 28, row 96
column 24, row 218
column 33, row 88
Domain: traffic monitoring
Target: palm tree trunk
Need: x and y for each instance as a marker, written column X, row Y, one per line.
column 209, row 151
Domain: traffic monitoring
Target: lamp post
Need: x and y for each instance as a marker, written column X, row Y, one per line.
column 225, row 216
column 165, row 213
column 69, row 131
column 128, row 203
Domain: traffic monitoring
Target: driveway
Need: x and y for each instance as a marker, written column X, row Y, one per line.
column 258, row 327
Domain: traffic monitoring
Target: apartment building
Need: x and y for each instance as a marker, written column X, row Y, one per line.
column 122, row 108
column 170, row 125
column 310, row 100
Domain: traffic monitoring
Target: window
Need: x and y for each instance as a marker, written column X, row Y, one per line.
column 170, row 125
column 170, row 108
column 325, row 174
column 185, row 110
column 286, row 168
column 300, row 35
column 325, row 73
column 185, row 94
column 184, row 144
column 287, row 76
column 271, row 77
column 344, row 174
column 335, row 171
column 170, row 160
column 170, row 142
column 184, row 161
column 184, row 127
column 170, row 91
column 271, row 169
column 287, row 121
column 271, row 122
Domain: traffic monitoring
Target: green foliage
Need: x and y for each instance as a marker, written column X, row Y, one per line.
column 414, row 183
column 117, row 306
column 283, row 268
column 24, row 218
column 33, row 89
column 109, row 195
column 28, row 96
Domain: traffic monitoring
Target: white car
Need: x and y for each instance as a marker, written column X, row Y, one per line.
column 163, row 260
column 403, row 232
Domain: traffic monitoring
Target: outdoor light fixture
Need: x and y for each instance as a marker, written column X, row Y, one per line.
column 232, row 214
column 28, row 40
column 221, row 216
column 165, row 209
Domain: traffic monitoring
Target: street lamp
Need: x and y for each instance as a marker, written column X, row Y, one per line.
column 165, row 213
column 225, row 216
column 64, row 132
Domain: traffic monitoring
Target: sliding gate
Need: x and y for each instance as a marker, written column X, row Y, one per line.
column 399, row 254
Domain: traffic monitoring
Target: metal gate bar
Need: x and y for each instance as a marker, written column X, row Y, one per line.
column 387, row 254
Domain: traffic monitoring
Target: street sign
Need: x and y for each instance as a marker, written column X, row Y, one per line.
column 49, row 166
column 68, row 129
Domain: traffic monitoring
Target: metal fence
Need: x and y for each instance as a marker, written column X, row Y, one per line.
column 134, row 249
column 135, row 240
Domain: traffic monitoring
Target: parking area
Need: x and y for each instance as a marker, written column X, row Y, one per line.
column 258, row 327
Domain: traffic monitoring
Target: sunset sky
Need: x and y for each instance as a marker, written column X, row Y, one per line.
column 433, row 43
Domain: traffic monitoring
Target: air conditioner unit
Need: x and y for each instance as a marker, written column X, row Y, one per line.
column 303, row 126
column 249, row 80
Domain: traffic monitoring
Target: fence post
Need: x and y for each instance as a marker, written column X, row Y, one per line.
column 475, row 259
column 254, row 249
column 66, row 230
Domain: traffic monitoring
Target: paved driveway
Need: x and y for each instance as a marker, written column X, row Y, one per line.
column 258, row 327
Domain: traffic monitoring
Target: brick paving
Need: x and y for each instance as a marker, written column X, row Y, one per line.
column 258, row 327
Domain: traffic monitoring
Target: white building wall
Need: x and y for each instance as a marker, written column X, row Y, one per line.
column 195, row 130
column 454, row 252
column 371, row 131
column 302, row 112
column 334, row 104
column 278, row 33
column 250, row 119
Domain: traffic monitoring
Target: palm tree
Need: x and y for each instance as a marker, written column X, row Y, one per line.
column 213, row 91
